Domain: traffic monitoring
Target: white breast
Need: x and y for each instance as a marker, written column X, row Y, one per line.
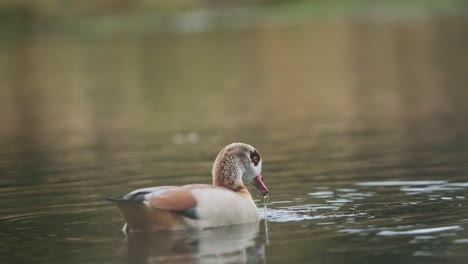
column 219, row 206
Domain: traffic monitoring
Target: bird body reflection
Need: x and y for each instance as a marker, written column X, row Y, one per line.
column 232, row 244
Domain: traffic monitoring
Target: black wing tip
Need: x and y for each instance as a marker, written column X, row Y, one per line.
column 122, row 200
column 114, row 199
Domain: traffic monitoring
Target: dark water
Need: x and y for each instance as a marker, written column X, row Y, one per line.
column 361, row 122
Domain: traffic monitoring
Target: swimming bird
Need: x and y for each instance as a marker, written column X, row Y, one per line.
column 198, row 206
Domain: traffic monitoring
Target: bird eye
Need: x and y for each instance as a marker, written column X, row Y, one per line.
column 255, row 157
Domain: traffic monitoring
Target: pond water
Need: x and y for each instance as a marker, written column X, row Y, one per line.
column 361, row 123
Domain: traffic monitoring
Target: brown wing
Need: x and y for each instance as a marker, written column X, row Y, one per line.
column 163, row 205
column 176, row 199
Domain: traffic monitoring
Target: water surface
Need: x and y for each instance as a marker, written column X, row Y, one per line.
column 361, row 123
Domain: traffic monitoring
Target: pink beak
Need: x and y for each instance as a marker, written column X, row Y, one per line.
column 258, row 182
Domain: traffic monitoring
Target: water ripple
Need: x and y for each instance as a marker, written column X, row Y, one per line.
column 420, row 231
column 399, row 183
column 285, row 215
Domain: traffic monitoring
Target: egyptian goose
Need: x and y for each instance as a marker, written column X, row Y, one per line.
column 199, row 206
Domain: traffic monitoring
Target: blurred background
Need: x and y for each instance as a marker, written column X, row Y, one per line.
column 113, row 72
column 100, row 97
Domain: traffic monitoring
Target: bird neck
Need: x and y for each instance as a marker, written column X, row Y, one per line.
column 226, row 173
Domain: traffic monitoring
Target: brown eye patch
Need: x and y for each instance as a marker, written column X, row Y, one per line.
column 255, row 157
